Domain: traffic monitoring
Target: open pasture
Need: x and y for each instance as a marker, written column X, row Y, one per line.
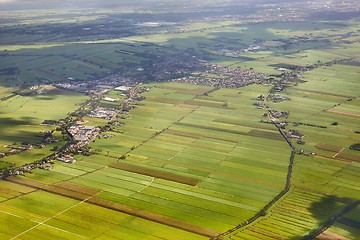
column 82, row 61
column 334, row 80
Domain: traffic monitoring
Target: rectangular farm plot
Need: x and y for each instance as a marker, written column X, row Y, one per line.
column 327, row 174
column 166, row 144
column 108, row 182
column 172, row 208
column 194, row 132
column 43, row 205
column 10, row 189
column 142, row 229
column 67, row 170
column 328, row 147
column 248, row 189
column 82, row 166
column 6, row 193
column 86, row 224
column 228, row 210
column 188, row 169
column 173, row 219
column 47, row 177
column 156, row 173
column 50, row 232
column 153, row 151
column 165, row 100
column 185, row 88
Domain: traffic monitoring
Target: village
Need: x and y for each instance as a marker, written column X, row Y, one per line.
column 220, row 76
column 79, row 134
column 96, row 86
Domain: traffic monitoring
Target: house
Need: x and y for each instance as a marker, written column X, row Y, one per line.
column 67, row 159
column 122, row 88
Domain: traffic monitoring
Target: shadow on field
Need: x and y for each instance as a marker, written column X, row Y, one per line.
column 29, row 119
column 57, row 91
column 326, row 208
column 14, row 130
column 19, row 136
column 46, row 97
column 10, row 121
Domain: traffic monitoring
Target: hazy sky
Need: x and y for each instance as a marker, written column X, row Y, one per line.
column 78, row 3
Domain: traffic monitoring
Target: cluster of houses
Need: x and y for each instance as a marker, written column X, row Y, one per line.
column 66, row 158
column 42, row 164
column 53, row 122
column 105, row 113
column 106, row 136
column 173, row 66
column 80, row 133
column 215, row 75
column 278, row 98
column 251, row 48
column 294, row 134
column 110, row 99
column 96, row 86
column 279, row 114
column 15, row 148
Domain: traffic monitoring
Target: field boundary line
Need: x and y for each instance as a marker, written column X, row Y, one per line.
column 338, row 153
column 325, row 93
column 11, row 214
column 174, row 155
column 148, row 185
column 22, row 194
column 42, row 223
column 63, row 230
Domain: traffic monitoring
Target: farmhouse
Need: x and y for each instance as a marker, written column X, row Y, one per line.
column 294, row 134
column 109, row 99
column 279, row 114
column 278, row 98
column 67, row 159
column 122, row 88
column 253, row 48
